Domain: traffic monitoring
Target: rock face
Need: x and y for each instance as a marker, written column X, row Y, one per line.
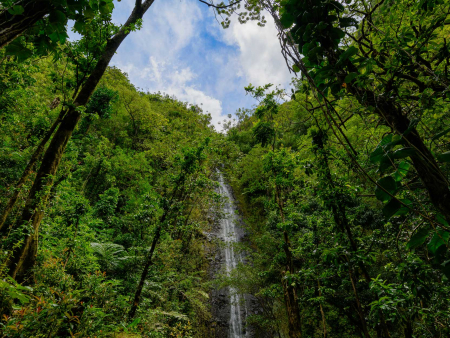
column 229, row 309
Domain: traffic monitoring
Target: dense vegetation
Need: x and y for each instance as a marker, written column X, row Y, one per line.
column 107, row 192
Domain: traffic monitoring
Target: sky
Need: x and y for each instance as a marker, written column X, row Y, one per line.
column 182, row 50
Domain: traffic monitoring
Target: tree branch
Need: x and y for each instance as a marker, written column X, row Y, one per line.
column 220, row 7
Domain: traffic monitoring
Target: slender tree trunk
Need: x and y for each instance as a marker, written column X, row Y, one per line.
column 324, row 322
column 358, row 305
column 340, row 217
column 408, row 330
column 290, row 299
column 12, row 26
column 24, row 256
column 290, row 295
column 34, row 158
column 148, row 264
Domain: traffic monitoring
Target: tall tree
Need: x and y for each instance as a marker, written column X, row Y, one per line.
column 45, row 21
column 23, row 256
column 317, row 31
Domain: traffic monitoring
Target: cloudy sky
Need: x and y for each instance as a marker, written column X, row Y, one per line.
column 182, row 50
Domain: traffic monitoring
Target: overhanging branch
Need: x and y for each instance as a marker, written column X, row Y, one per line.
column 220, row 7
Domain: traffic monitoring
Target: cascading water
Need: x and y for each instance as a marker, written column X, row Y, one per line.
column 229, row 236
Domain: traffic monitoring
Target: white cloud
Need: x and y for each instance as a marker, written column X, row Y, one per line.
column 260, row 54
column 177, row 82
column 181, row 50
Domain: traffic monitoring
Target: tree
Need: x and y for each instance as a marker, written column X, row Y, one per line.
column 336, row 69
column 23, row 257
column 45, row 21
column 171, row 205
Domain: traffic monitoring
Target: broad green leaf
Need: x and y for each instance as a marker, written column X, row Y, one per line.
column 286, row 18
column 337, row 6
column 16, row 49
column 347, row 22
column 57, row 17
column 16, row 10
column 441, row 219
column 79, row 26
column 89, row 13
column 402, row 171
column 378, row 153
column 106, row 8
column 445, row 157
column 391, row 208
column 349, row 78
column 336, row 33
column 352, row 50
column 439, row 135
column 419, row 238
column 307, row 47
column 389, row 184
column 446, row 268
column 440, row 238
column 402, row 153
column 404, row 210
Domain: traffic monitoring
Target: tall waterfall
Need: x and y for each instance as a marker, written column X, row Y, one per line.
column 232, row 258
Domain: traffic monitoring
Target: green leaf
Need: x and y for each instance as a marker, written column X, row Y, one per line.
column 89, row 13
column 446, row 268
column 79, row 26
column 439, row 135
column 286, row 18
column 402, row 171
column 307, row 47
column 391, row 208
column 349, row 78
column 106, row 7
column 445, row 157
column 378, row 153
column 57, row 17
column 337, row 6
column 440, row 238
column 347, row 22
column 385, row 163
column 16, row 49
column 295, row 68
column 336, row 33
column 441, row 219
column 404, row 210
column 402, row 153
column 389, row 184
column 419, row 238
column 16, row 10
column 352, row 50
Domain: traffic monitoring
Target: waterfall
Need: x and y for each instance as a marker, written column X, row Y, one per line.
column 230, row 237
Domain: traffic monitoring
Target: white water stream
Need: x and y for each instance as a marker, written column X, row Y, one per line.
column 228, row 234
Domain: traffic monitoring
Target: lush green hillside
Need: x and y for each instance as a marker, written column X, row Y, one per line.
column 107, row 193
column 134, row 157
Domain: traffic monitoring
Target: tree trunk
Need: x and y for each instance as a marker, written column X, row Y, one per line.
column 34, row 158
column 324, row 322
column 358, row 305
column 290, row 296
column 426, row 166
column 148, row 264
column 340, row 218
column 290, row 299
column 24, row 256
column 12, row 26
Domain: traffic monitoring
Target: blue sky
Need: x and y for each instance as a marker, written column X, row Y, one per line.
column 182, row 50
